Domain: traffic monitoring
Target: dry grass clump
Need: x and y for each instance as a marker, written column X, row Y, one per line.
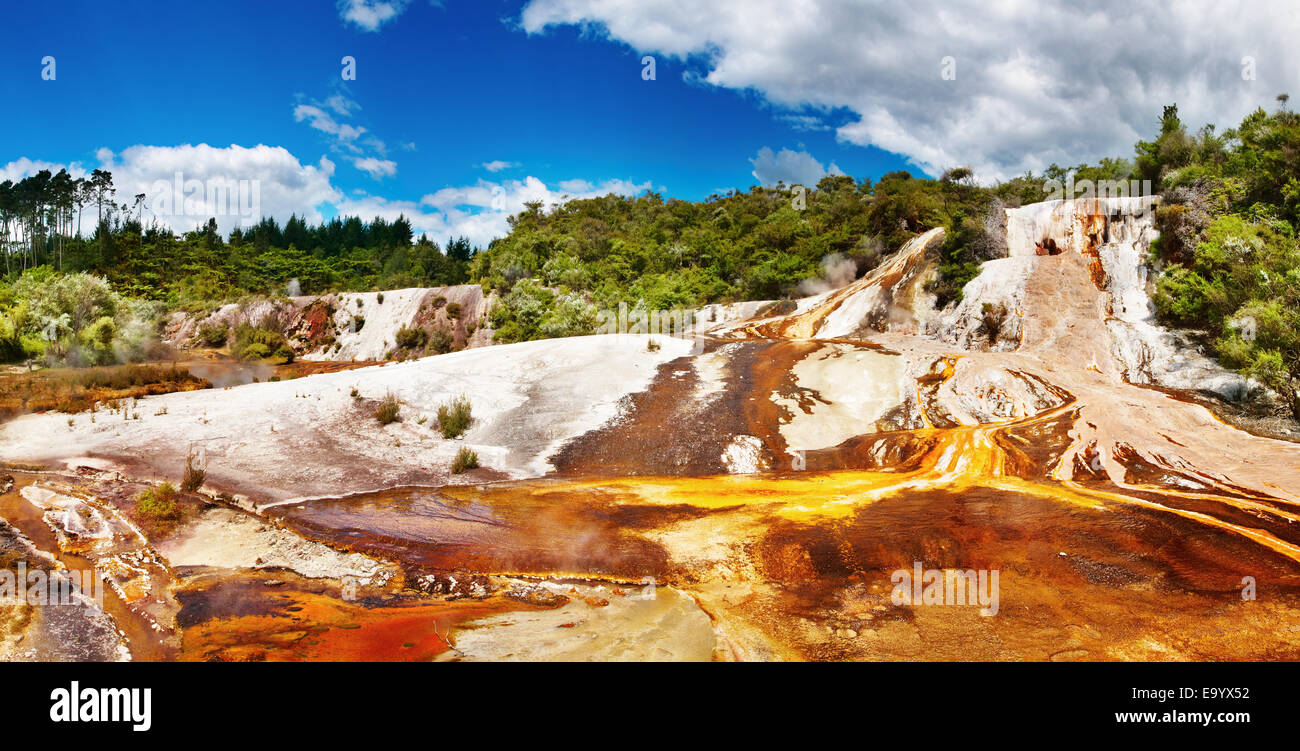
column 195, row 474
column 388, row 410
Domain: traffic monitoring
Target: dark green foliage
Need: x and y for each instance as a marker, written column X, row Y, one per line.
column 441, row 339
column 258, row 343
column 213, row 335
column 413, row 339
column 1228, row 240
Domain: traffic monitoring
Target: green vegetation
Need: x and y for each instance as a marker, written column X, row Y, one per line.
column 455, row 416
column 39, row 225
column 1228, row 246
column 556, row 269
column 465, row 459
column 77, row 319
column 260, row 343
column 414, row 338
column 158, row 504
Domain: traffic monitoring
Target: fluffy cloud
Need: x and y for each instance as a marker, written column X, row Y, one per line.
column 1036, row 83
column 789, row 167
column 24, row 167
column 480, row 211
column 497, row 165
column 369, row 15
column 185, row 185
column 376, row 168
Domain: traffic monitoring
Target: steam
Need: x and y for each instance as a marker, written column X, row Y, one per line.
column 223, row 374
column 293, row 288
column 837, row 271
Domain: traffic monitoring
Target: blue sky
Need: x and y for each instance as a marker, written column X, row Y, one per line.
column 550, row 93
column 445, row 89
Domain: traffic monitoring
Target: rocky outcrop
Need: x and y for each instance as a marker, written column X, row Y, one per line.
column 351, row 325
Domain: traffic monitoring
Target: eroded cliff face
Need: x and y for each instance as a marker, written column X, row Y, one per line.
column 348, row 326
column 1113, row 236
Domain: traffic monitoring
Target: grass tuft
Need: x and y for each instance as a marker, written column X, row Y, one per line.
column 387, row 410
column 455, row 416
column 465, row 459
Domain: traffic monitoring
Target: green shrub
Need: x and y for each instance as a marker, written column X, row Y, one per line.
column 158, row 504
column 255, row 343
column 213, row 335
column 414, row 338
column 465, row 459
column 441, row 340
column 455, row 416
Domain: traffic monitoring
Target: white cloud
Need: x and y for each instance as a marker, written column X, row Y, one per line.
column 341, row 104
column 369, row 15
column 377, row 168
column 276, row 183
column 789, row 167
column 363, row 149
column 497, row 165
column 322, row 121
column 24, row 167
column 480, row 211
column 1035, row 83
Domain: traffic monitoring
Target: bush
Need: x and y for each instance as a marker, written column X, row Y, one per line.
column 465, row 459
column 213, row 335
column 255, row 343
column 454, row 417
column 387, row 410
column 414, row 338
column 441, row 340
column 993, row 318
column 453, row 310
column 158, row 504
